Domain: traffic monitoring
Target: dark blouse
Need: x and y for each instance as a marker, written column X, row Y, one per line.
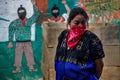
column 89, row 46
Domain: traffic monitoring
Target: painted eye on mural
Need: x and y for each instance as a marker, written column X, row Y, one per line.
column 55, row 11
column 21, row 11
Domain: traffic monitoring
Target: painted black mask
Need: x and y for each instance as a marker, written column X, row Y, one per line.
column 21, row 12
column 55, row 11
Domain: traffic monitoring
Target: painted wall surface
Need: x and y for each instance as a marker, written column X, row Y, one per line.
column 8, row 13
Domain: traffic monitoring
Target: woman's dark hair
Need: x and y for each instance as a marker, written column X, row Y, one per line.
column 76, row 11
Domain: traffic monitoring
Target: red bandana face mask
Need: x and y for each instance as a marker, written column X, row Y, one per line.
column 74, row 35
column 55, row 18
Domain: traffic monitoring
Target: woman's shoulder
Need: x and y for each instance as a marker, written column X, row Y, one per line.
column 63, row 34
column 90, row 33
column 14, row 22
column 64, row 31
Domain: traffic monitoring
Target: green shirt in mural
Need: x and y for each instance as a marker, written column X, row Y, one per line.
column 23, row 32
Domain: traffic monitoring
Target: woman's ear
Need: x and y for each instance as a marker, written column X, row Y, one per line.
column 86, row 23
column 68, row 26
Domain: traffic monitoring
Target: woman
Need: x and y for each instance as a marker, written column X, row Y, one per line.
column 79, row 52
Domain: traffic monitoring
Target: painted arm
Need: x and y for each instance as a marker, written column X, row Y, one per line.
column 11, row 34
column 11, row 31
column 66, row 6
column 35, row 15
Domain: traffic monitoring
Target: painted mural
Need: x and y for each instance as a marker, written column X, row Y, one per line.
column 99, row 11
column 8, row 71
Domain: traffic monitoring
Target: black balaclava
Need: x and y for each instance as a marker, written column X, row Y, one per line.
column 55, row 11
column 21, row 12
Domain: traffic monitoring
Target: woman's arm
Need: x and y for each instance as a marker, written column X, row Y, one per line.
column 99, row 66
column 97, row 53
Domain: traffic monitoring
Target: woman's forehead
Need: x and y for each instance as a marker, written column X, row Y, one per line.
column 78, row 17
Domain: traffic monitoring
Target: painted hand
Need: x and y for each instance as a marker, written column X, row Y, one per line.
column 63, row 1
column 33, row 2
column 10, row 45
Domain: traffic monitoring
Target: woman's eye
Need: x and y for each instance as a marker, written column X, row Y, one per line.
column 77, row 22
column 83, row 22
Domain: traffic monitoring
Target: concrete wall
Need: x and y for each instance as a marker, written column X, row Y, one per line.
column 109, row 35
column 51, row 31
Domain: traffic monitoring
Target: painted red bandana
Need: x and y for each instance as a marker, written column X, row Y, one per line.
column 74, row 35
column 56, row 19
column 23, row 21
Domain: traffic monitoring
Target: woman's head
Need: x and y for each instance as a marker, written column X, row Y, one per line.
column 78, row 17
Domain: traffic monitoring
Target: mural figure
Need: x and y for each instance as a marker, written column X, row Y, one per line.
column 55, row 15
column 21, row 28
